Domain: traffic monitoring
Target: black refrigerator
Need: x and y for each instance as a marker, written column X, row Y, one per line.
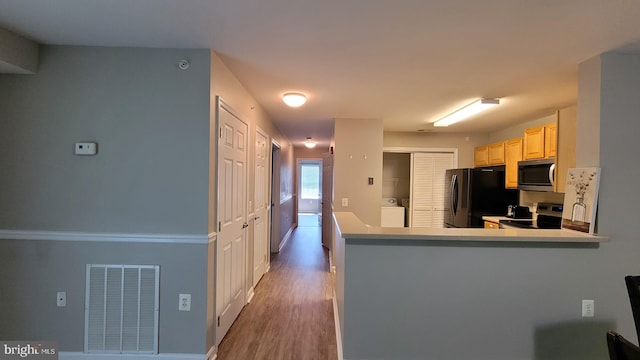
column 474, row 192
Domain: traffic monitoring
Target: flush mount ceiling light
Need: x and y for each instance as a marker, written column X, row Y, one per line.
column 310, row 143
column 467, row 111
column 294, row 99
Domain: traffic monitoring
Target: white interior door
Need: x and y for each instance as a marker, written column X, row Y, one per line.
column 232, row 218
column 428, row 188
column 327, row 199
column 262, row 206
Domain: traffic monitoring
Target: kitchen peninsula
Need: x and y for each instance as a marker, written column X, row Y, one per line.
column 450, row 293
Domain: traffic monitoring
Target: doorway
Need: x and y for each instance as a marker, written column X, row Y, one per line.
column 310, row 192
column 274, row 230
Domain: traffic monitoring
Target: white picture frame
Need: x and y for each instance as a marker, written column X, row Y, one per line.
column 581, row 199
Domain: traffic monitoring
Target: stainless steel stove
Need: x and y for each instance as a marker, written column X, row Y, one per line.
column 549, row 217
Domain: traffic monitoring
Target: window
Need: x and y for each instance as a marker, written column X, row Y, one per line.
column 310, row 181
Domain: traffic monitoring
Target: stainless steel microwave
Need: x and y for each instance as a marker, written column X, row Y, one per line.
column 536, row 175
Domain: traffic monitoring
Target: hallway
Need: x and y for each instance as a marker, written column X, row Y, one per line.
column 291, row 314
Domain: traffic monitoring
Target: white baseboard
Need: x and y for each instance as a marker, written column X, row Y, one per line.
column 212, row 354
column 63, row 355
column 331, row 266
column 250, row 295
column 336, row 320
column 286, row 238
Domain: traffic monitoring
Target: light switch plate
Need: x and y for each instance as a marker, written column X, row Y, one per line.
column 61, row 298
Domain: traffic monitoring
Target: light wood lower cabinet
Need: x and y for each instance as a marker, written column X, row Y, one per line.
column 491, row 225
column 513, row 154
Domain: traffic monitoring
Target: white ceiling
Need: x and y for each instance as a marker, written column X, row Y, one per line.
column 407, row 62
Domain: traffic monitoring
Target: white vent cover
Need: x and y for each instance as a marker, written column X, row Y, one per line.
column 121, row 309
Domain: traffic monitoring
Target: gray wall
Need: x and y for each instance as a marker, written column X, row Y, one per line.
column 431, row 300
column 151, row 123
column 33, row 271
column 358, row 156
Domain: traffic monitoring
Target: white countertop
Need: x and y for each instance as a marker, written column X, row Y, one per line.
column 353, row 228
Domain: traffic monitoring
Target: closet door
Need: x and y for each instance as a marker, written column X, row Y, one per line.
column 428, row 188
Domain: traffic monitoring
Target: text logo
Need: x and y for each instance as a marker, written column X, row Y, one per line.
column 41, row 350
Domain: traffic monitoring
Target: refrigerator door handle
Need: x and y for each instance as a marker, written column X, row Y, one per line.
column 451, row 196
column 454, row 195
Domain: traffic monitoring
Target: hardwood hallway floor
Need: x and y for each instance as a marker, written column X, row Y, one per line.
column 291, row 314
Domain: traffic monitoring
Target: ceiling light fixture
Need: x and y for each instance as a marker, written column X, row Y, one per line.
column 294, row 99
column 467, row 111
column 310, row 144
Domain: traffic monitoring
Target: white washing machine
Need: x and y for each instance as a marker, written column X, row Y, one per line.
column 392, row 213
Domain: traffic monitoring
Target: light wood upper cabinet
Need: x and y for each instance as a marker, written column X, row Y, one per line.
column 513, row 154
column 566, row 151
column 496, row 153
column 533, row 147
column 481, row 156
column 550, row 140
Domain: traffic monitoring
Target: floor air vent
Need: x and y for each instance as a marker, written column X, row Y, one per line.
column 121, row 309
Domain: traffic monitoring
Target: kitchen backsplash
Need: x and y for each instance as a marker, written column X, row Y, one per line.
column 532, row 198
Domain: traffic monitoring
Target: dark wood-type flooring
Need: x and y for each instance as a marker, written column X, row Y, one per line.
column 291, row 314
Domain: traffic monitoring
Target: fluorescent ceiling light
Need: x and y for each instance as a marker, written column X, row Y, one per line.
column 294, row 99
column 467, row 111
column 310, row 143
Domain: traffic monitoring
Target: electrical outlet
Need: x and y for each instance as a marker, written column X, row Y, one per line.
column 345, row 202
column 184, row 302
column 61, row 298
column 86, row 148
column 588, row 308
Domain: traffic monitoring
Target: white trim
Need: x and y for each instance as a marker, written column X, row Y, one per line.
column 250, row 294
column 212, row 354
column 212, row 237
column 336, row 320
column 106, row 237
column 402, row 149
column 64, row 355
column 285, row 239
column 407, row 149
column 331, row 266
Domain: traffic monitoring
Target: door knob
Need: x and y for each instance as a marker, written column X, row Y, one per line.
column 245, row 225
